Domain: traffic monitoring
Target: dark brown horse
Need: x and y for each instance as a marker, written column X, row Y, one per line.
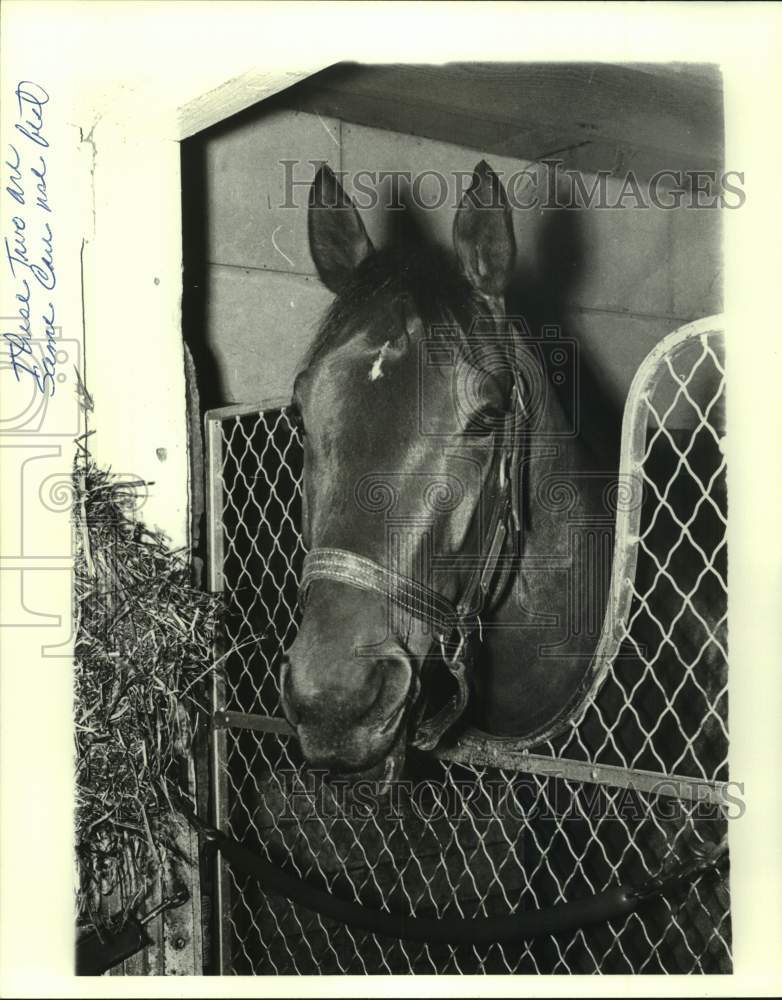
column 456, row 519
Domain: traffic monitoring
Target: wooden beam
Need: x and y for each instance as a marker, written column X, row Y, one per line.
column 233, row 96
column 592, row 116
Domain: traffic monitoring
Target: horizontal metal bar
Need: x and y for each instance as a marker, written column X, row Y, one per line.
column 486, row 753
column 244, row 409
column 259, row 723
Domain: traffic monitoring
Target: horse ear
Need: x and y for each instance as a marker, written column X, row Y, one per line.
column 338, row 239
column 483, row 233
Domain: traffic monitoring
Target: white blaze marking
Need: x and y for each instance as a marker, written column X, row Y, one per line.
column 376, row 371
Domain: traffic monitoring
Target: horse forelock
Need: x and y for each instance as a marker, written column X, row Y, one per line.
column 441, row 296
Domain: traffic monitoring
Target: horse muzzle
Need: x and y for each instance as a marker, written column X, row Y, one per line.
column 349, row 718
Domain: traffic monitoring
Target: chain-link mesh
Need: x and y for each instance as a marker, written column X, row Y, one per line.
column 471, row 840
column 663, row 705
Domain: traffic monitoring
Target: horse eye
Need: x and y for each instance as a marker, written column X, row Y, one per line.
column 489, row 417
column 482, row 424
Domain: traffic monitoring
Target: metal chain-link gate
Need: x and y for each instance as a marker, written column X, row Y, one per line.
column 634, row 783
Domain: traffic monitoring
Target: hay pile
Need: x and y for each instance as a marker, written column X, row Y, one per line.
column 143, row 650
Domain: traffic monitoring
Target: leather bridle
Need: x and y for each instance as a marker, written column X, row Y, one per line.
column 452, row 624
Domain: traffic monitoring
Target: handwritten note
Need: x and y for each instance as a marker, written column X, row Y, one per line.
column 30, row 243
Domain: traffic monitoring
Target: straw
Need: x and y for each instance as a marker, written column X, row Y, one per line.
column 144, row 654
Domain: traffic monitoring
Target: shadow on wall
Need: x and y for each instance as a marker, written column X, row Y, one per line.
column 205, row 389
column 195, row 227
column 544, row 297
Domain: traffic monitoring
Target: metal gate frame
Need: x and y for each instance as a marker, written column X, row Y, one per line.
column 478, row 748
column 473, row 747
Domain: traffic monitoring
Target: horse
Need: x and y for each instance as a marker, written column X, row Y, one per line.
column 455, row 571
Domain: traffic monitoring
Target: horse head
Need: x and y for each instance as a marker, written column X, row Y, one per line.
column 402, row 398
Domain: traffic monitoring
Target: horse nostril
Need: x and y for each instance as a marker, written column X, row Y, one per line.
column 396, row 676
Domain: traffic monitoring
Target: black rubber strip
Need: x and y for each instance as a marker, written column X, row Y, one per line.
column 519, row 926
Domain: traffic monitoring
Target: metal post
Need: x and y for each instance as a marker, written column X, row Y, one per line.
column 217, row 735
